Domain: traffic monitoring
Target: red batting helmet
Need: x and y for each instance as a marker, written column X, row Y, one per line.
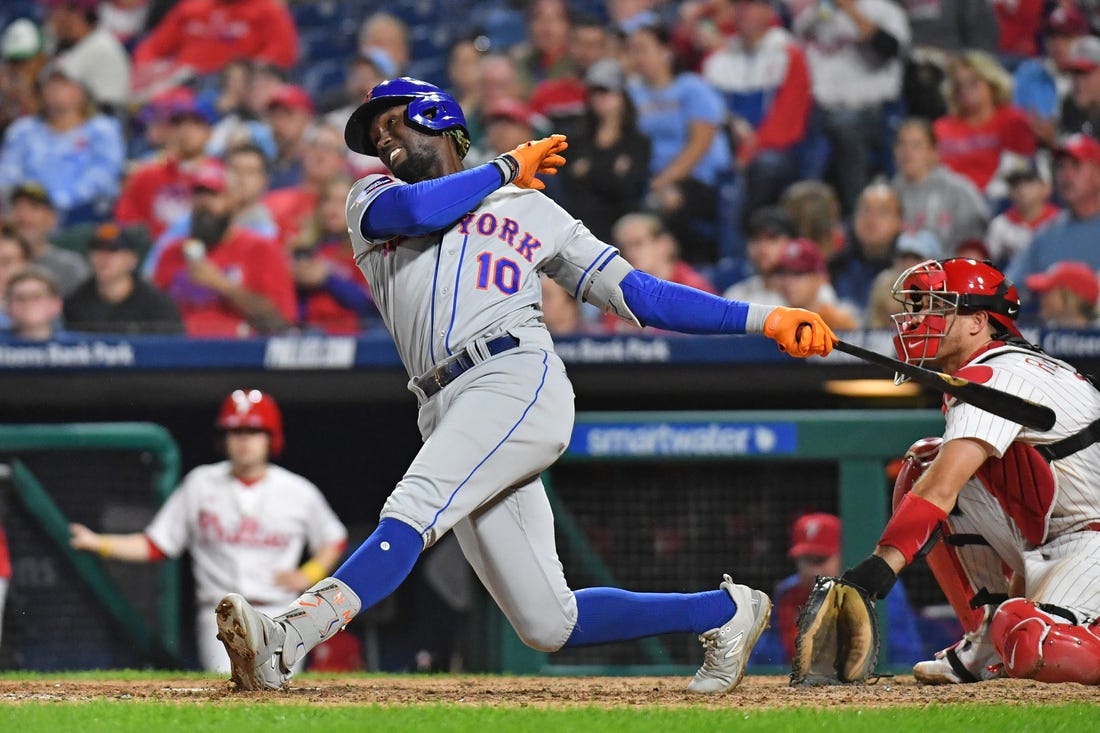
column 251, row 408
column 933, row 291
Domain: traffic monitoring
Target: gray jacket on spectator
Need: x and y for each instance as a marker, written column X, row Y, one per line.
column 953, row 25
column 944, row 203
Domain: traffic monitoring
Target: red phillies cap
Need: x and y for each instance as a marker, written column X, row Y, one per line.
column 291, row 97
column 1083, row 54
column 1077, row 277
column 1081, row 147
column 1065, row 21
column 209, row 176
column 815, row 534
column 512, row 110
column 801, row 257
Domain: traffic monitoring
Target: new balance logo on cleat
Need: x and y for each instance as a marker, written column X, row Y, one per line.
column 726, row 649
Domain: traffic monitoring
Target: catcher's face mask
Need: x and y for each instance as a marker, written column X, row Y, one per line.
column 933, row 292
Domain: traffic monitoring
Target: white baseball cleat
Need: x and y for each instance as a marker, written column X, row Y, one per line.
column 973, row 659
column 726, row 648
column 254, row 643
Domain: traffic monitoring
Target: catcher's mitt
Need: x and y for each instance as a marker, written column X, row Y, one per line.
column 837, row 635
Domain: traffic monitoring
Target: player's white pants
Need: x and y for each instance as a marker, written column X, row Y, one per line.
column 212, row 655
column 488, row 436
column 1065, row 571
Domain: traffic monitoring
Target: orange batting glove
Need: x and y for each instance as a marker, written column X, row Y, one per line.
column 799, row 332
column 537, row 157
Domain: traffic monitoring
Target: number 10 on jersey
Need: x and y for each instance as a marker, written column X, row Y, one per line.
column 503, row 272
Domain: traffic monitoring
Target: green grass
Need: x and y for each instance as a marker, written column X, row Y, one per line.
column 141, row 717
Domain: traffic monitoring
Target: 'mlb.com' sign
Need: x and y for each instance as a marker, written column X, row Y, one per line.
column 683, row 439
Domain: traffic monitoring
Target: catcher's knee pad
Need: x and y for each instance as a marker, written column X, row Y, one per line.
column 1035, row 645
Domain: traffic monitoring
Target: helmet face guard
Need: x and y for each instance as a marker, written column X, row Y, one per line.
column 933, row 292
column 430, row 110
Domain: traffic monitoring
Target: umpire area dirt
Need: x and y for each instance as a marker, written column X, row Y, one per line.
column 754, row 692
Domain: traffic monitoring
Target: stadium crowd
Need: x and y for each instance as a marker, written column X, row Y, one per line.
column 178, row 166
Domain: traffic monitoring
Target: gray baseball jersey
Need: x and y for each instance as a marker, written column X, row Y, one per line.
column 489, row 433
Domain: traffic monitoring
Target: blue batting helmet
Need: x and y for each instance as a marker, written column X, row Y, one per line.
column 431, row 110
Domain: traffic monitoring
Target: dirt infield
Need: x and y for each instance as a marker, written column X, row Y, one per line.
column 754, row 693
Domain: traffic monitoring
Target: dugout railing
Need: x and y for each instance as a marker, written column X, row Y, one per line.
column 858, row 444
column 55, row 473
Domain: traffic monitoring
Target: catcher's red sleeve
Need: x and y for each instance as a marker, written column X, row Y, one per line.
column 912, row 525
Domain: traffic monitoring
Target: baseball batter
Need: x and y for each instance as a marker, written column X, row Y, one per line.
column 245, row 522
column 453, row 258
column 1002, row 496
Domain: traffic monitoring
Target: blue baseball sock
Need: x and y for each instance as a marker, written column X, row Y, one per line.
column 382, row 562
column 612, row 614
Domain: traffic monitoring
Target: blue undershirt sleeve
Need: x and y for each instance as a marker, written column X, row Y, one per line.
column 428, row 206
column 675, row 307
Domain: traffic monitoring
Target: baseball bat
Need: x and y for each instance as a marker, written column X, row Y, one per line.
column 1017, row 409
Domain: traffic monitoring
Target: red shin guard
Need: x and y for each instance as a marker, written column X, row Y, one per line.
column 1034, row 645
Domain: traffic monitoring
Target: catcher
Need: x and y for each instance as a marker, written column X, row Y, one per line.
column 1009, row 517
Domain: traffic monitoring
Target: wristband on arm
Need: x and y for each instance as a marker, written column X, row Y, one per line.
column 912, row 526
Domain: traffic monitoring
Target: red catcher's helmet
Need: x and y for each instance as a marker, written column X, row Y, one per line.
column 934, row 290
column 251, row 408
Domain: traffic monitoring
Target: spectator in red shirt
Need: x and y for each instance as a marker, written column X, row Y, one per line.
column 205, row 35
column 333, row 296
column 227, row 282
column 1018, row 20
column 983, row 133
column 322, row 159
column 159, row 192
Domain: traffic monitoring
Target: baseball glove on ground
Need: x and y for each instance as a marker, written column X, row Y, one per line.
column 837, row 635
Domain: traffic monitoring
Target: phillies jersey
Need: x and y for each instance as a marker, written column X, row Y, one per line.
column 240, row 536
column 478, row 278
column 1040, row 378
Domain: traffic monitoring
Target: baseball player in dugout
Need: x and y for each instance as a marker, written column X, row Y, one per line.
column 1008, row 517
column 245, row 521
column 453, row 258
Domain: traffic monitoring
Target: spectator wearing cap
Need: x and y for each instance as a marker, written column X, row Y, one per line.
column 912, row 248
column 290, row 113
column 815, row 550
column 562, row 99
column 877, row 222
column 762, row 75
column 205, row 35
column 323, row 159
column 15, row 254
column 769, row 230
column 983, row 134
column 33, row 305
column 802, row 278
column 855, row 53
column 74, row 152
column 644, row 242
column 94, row 56
column 246, row 170
column 606, row 175
column 1074, row 233
column 114, row 299
column 1031, row 209
column 1041, row 84
column 544, row 54
column 933, row 196
column 34, row 217
column 158, row 192
column 1081, row 109
column 683, row 117
column 1067, row 294
column 226, row 281
column 22, row 56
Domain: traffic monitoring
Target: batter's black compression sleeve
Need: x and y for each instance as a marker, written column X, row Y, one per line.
column 415, row 209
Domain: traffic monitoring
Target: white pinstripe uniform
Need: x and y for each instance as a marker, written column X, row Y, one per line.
column 1059, row 557
column 494, row 429
column 238, row 537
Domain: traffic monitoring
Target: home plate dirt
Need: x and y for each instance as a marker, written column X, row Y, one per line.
column 754, row 692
